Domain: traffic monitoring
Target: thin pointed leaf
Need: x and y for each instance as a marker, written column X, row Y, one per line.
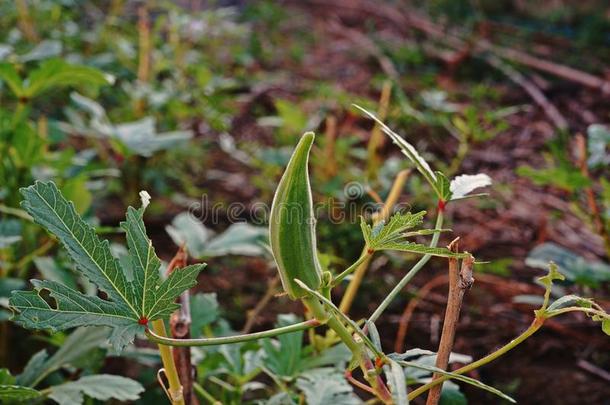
column 374, row 334
column 443, row 186
column 407, row 149
column 397, row 382
column 458, row 377
column 333, row 308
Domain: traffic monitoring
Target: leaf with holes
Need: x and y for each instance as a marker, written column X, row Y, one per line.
column 134, row 296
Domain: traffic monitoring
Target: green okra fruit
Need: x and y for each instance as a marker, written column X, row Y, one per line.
column 292, row 225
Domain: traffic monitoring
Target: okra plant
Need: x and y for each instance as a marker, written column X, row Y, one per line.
column 136, row 300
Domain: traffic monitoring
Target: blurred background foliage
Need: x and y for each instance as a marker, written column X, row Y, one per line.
column 201, row 102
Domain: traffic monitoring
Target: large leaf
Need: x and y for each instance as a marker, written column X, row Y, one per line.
column 239, row 238
column 142, row 138
column 283, row 356
column 102, row 387
column 337, row 356
column 130, row 303
column 323, row 386
column 576, row 268
column 49, row 208
column 10, row 232
column 47, row 48
column 54, row 73
column 283, row 398
column 74, row 348
column 187, row 230
column 139, row 137
column 204, row 311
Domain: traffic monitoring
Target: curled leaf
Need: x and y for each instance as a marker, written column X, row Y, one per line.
column 466, row 183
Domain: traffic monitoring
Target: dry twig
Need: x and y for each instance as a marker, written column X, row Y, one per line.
column 459, row 282
column 180, row 326
column 534, row 91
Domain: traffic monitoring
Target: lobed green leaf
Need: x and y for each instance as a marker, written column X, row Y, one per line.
column 129, row 302
column 391, row 236
column 49, row 208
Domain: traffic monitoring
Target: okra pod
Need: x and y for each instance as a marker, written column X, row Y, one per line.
column 292, row 224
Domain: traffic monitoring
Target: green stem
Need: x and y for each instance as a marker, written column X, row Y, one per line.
column 319, row 312
column 153, row 337
column 205, row 395
column 15, row 212
column 536, row 324
column 358, row 350
column 351, row 268
column 175, row 388
column 22, row 264
column 416, row 268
